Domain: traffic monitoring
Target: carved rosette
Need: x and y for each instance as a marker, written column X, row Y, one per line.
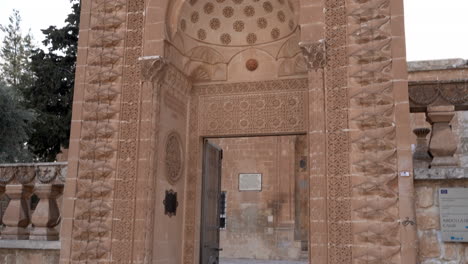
column 174, row 158
column 314, row 54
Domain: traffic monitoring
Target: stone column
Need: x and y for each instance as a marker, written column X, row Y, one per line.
column 314, row 52
column 443, row 144
column 421, row 157
column 17, row 216
column 3, row 203
column 47, row 214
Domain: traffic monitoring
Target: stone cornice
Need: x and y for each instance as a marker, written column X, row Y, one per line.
column 434, row 93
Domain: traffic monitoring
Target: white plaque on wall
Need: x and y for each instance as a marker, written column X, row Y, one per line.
column 453, row 204
column 250, row 182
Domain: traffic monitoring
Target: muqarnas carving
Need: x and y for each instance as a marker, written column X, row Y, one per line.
column 174, row 158
column 314, row 54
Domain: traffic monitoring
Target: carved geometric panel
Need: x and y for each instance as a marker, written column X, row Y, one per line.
column 253, row 114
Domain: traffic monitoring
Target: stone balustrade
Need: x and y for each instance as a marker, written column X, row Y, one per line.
column 25, row 218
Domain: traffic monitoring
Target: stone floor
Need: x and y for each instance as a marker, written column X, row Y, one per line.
column 258, row 261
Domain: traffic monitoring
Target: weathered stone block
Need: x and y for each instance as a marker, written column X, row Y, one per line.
column 450, row 251
column 427, row 220
column 440, row 173
column 424, row 197
column 429, row 245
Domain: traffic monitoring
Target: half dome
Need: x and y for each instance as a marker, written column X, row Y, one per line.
column 237, row 22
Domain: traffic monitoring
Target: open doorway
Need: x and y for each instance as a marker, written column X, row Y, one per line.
column 263, row 200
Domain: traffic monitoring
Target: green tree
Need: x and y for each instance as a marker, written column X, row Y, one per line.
column 51, row 95
column 14, row 127
column 15, row 53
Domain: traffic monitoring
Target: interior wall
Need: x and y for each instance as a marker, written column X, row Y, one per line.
column 261, row 224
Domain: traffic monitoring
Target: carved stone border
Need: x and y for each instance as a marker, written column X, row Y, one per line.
column 337, row 162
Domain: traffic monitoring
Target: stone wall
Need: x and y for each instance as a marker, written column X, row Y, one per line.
column 260, row 224
column 431, row 248
column 29, row 256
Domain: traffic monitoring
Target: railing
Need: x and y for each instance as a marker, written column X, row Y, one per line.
column 29, row 195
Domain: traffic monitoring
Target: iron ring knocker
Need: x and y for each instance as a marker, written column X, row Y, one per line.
column 407, row 222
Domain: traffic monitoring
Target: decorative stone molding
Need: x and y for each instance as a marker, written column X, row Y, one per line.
column 364, row 58
column 443, row 144
column 421, row 157
column 153, row 68
column 314, row 54
column 285, row 85
column 432, row 93
column 33, row 173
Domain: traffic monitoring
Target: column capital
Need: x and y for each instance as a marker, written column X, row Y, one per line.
column 153, row 68
column 314, row 54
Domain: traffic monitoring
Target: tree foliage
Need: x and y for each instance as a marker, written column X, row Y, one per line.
column 15, row 54
column 15, row 75
column 51, row 95
column 14, row 127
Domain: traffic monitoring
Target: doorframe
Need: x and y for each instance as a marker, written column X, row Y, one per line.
column 282, row 89
column 199, row 193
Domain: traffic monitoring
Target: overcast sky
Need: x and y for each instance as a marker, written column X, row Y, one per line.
column 435, row 29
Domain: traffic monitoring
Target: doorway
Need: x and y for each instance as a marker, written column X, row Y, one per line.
column 263, row 200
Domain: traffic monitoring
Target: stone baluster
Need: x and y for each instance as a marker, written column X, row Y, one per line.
column 421, row 157
column 17, row 215
column 3, row 203
column 47, row 214
column 443, row 144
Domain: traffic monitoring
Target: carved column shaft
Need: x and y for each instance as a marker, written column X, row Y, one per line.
column 443, row 144
column 47, row 214
column 17, row 215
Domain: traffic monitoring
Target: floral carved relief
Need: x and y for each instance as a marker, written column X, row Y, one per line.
column 98, row 145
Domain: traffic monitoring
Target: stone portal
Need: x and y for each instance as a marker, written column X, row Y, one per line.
column 156, row 77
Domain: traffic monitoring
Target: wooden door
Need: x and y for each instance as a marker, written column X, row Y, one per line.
column 211, row 192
